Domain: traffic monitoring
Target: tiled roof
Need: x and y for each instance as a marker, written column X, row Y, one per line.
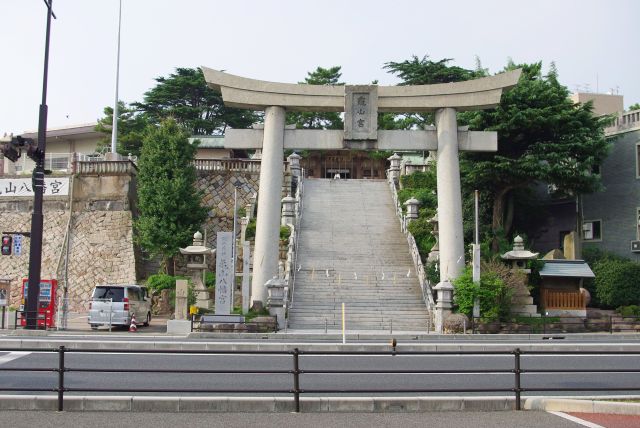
column 567, row 268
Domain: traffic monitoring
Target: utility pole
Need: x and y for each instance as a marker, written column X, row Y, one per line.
column 35, row 251
column 476, row 255
column 114, row 127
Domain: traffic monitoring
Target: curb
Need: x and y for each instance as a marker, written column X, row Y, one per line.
column 16, row 343
column 581, row 406
column 255, row 404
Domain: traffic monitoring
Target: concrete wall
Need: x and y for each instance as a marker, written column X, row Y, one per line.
column 602, row 103
column 617, row 206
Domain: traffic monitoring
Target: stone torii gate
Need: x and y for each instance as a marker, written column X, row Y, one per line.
column 361, row 105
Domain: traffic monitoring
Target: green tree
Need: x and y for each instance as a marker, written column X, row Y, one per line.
column 635, row 106
column 169, row 204
column 131, row 126
column 319, row 120
column 423, row 71
column 542, row 138
column 185, row 96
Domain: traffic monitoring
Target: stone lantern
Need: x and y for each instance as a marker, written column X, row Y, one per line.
column 394, row 168
column 518, row 257
column 444, row 303
column 521, row 300
column 276, row 302
column 288, row 210
column 196, row 265
column 294, row 164
column 412, row 209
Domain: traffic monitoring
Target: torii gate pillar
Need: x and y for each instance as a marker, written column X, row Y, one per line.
column 265, row 258
column 449, row 196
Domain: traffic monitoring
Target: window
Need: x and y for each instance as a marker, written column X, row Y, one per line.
column 638, row 223
column 592, row 230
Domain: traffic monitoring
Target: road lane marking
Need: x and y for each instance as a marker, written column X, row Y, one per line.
column 577, row 420
column 10, row 356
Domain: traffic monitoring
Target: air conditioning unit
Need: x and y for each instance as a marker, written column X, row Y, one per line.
column 635, row 246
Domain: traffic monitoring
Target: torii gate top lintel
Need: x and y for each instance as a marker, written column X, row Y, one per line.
column 242, row 92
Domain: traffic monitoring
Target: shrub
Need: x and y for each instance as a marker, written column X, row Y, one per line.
column 210, row 279
column 493, row 293
column 285, row 232
column 421, row 231
column 616, row 282
column 161, row 281
column 629, row 311
column 251, row 230
column 419, row 179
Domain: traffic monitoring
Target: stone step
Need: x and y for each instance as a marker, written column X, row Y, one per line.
column 350, row 226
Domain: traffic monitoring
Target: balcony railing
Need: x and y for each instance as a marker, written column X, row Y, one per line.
column 243, row 165
column 124, row 167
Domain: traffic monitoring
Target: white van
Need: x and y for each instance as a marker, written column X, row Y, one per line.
column 115, row 304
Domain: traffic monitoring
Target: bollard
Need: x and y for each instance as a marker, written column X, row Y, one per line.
column 516, row 371
column 296, row 379
column 61, row 378
column 344, row 338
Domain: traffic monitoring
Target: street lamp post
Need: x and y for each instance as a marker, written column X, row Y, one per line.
column 35, row 251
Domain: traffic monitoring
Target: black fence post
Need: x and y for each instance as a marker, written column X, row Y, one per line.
column 4, row 309
column 516, row 371
column 192, row 317
column 15, row 320
column 296, row 379
column 61, row 378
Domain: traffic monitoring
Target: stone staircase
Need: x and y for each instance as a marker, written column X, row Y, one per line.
column 351, row 250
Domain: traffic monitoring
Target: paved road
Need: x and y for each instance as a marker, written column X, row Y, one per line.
column 500, row 376
column 284, row 420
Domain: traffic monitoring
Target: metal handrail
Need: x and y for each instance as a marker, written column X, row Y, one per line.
column 517, row 368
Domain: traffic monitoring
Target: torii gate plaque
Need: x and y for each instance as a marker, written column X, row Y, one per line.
column 361, row 105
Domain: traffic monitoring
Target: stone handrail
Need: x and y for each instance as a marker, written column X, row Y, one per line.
column 292, row 253
column 124, row 167
column 243, row 165
column 425, row 284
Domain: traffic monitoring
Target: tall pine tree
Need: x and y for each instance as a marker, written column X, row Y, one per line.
column 169, row 204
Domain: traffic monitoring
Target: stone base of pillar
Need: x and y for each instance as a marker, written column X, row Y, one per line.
column 179, row 326
column 444, row 304
column 279, row 313
column 202, row 300
column 441, row 315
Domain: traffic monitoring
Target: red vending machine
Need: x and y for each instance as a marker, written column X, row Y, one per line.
column 46, row 302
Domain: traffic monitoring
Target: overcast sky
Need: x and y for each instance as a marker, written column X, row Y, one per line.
column 594, row 43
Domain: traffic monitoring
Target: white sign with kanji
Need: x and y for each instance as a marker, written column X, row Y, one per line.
column 53, row 186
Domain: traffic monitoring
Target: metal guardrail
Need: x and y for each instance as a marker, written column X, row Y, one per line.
column 517, row 368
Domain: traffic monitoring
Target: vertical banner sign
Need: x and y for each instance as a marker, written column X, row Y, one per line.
column 224, row 273
column 17, row 245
